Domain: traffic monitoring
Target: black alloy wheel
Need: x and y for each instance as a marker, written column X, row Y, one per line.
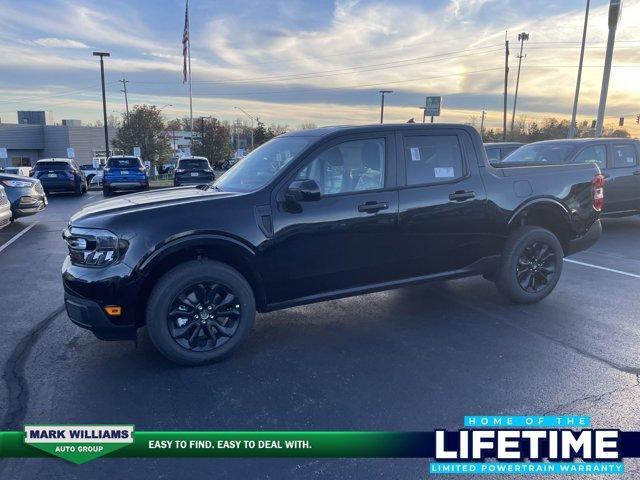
column 204, row 316
column 536, row 267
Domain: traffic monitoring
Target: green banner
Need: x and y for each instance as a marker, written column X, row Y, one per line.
column 42, row 441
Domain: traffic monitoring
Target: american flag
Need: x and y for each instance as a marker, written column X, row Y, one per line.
column 185, row 43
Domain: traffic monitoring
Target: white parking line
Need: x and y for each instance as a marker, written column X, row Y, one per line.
column 603, row 268
column 18, row 236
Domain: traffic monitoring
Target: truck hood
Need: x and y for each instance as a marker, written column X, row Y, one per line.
column 146, row 200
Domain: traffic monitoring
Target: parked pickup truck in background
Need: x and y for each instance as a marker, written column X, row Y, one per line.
column 497, row 152
column 316, row 215
column 616, row 157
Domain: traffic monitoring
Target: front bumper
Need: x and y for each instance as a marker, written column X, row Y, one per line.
column 5, row 216
column 87, row 291
column 587, row 240
column 28, row 205
column 88, row 314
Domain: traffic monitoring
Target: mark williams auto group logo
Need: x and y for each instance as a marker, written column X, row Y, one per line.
column 551, row 445
column 78, row 443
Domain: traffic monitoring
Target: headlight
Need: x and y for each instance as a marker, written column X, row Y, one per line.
column 17, row 183
column 92, row 247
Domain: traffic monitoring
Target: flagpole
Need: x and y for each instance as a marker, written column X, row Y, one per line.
column 190, row 91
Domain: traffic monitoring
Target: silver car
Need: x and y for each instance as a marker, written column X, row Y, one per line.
column 5, row 208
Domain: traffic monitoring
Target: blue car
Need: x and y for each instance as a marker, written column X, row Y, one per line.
column 124, row 173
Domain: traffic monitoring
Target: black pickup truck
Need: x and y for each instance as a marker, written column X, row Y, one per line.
column 316, row 215
column 616, row 157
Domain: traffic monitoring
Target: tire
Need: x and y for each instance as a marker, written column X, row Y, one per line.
column 78, row 190
column 106, row 191
column 531, row 265
column 218, row 281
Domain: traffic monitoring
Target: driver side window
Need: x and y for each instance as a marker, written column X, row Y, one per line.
column 353, row 166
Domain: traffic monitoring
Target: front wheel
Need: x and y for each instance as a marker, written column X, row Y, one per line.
column 200, row 312
column 531, row 265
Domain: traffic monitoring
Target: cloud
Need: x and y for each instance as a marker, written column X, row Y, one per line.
column 60, row 43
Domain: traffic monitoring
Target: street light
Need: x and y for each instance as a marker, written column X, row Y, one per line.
column 614, row 16
column 244, row 111
column 383, row 92
column 104, row 99
column 572, row 127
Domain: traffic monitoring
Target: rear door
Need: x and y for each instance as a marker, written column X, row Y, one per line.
column 622, row 187
column 443, row 216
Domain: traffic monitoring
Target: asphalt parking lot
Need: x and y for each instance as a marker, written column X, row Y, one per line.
column 411, row 359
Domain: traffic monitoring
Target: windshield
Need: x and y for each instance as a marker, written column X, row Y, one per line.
column 193, row 164
column 124, row 162
column 261, row 165
column 541, row 153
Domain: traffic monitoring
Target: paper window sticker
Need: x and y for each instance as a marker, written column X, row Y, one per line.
column 443, row 172
column 415, row 154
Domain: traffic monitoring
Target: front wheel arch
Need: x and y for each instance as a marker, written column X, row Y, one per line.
column 216, row 248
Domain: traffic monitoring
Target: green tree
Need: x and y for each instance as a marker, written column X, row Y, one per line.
column 261, row 134
column 212, row 140
column 144, row 127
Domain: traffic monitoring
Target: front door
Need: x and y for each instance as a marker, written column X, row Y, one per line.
column 443, row 215
column 346, row 239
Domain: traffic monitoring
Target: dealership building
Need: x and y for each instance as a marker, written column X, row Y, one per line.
column 32, row 139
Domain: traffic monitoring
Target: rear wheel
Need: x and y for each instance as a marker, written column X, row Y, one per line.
column 200, row 312
column 78, row 190
column 531, row 265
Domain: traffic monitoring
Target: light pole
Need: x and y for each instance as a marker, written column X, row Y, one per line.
column 382, row 93
column 243, row 111
column 572, row 127
column 522, row 37
column 104, row 100
column 614, row 16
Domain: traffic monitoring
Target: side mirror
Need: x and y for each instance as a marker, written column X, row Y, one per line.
column 303, row 191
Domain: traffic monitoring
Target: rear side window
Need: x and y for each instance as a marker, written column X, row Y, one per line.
column 432, row 159
column 52, row 166
column 595, row 154
column 624, row 156
column 125, row 162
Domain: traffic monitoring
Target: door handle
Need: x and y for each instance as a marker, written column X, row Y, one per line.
column 372, row 207
column 461, row 195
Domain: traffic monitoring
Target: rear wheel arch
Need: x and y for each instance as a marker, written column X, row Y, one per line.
column 218, row 248
column 546, row 213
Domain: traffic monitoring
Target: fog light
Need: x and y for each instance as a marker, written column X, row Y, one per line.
column 113, row 310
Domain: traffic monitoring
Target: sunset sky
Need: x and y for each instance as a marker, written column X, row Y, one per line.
column 298, row 61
